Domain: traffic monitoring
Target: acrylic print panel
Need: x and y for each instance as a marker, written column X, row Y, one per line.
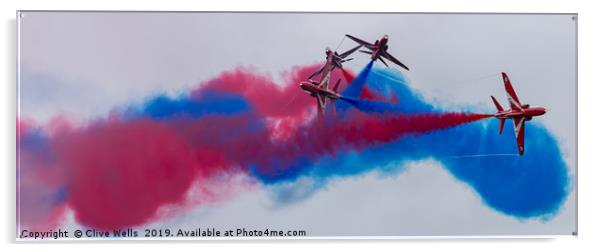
column 142, row 125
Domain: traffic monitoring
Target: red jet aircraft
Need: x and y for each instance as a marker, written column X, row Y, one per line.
column 321, row 92
column 334, row 60
column 378, row 50
column 518, row 112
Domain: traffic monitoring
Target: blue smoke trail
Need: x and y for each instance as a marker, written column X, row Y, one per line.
column 390, row 83
column 371, row 106
column 534, row 185
column 355, row 87
column 163, row 107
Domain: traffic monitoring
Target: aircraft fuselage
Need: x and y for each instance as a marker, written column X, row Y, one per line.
column 380, row 47
column 333, row 60
column 313, row 89
column 527, row 112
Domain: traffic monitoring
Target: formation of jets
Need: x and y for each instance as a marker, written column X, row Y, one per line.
column 519, row 113
column 319, row 88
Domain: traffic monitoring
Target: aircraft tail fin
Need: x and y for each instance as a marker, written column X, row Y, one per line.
column 502, row 121
column 383, row 61
column 499, row 109
column 497, row 104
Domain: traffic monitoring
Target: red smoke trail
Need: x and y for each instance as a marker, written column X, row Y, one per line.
column 355, row 132
column 120, row 173
column 285, row 103
column 268, row 97
column 273, row 157
column 347, row 75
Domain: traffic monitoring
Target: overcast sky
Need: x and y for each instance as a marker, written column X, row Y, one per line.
column 84, row 64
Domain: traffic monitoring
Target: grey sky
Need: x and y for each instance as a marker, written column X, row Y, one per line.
column 84, row 64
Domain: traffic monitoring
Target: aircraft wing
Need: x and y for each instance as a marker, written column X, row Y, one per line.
column 512, row 97
column 394, row 60
column 383, row 61
column 361, row 42
column 366, row 52
column 317, row 72
column 347, row 53
column 519, row 132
